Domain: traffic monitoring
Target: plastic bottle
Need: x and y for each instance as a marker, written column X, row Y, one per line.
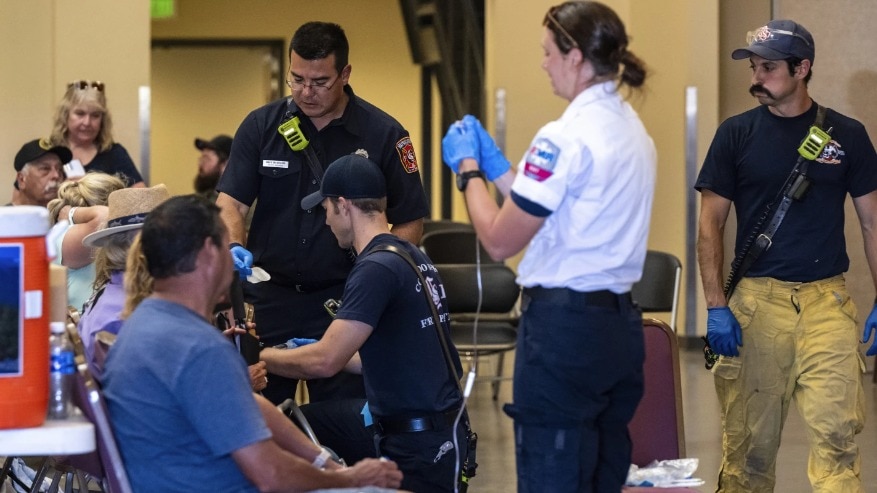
column 60, row 371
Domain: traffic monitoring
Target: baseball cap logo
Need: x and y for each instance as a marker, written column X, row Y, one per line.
column 760, row 35
column 765, row 33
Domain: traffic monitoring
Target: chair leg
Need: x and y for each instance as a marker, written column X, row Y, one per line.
column 41, row 473
column 495, row 384
column 7, row 465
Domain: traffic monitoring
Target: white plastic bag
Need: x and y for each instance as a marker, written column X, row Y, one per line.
column 664, row 474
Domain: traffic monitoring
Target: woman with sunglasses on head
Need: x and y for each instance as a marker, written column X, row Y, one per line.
column 83, row 123
column 580, row 203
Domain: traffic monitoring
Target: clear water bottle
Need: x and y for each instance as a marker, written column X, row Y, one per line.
column 61, row 368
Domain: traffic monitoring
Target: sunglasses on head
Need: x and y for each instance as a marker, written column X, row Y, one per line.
column 82, row 85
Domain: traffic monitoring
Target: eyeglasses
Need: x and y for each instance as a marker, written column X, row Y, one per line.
column 82, row 85
column 556, row 23
column 765, row 33
column 298, row 85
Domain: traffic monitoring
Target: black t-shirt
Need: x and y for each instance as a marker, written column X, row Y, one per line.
column 293, row 245
column 750, row 158
column 115, row 160
column 403, row 365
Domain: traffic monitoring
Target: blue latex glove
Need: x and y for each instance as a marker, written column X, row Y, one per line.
column 723, row 331
column 459, row 142
column 870, row 325
column 243, row 260
column 491, row 161
column 296, row 342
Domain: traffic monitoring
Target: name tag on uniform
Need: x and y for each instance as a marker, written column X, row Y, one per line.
column 268, row 163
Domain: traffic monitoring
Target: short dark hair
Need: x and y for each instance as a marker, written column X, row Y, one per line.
column 174, row 233
column 318, row 40
column 368, row 206
column 793, row 63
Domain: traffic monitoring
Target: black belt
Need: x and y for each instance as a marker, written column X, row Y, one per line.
column 435, row 421
column 603, row 298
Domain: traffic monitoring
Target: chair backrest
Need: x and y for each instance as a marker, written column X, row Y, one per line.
column 431, row 225
column 87, row 397
column 658, row 290
column 499, row 292
column 454, row 246
column 657, row 428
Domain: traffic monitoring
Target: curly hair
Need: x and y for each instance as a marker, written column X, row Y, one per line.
column 138, row 282
column 92, row 98
column 112, row 256
column 91, row 189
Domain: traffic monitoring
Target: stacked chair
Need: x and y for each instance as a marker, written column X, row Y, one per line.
column 482, row 296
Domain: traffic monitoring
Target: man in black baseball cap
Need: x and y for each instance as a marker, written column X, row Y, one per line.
column 211, row 164
column 39, row 171
column 351, row 177
column 414, row 399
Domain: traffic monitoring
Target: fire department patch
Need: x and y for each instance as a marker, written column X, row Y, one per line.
column 541, row 160
column 406, row 154
column 831, row 154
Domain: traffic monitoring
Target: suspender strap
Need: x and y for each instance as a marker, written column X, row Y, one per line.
column 308, row 151
column 443, row 340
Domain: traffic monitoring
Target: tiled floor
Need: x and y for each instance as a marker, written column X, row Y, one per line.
column 496, row 471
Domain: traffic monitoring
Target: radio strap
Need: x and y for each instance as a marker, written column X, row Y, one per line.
column 292, row 132
column 794, row 188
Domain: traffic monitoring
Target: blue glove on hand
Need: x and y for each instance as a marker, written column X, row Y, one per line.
column 459, row 142
column 870, row 325
column 243, row 260
column 296, row 342
column 723, row 331
column 491, row 160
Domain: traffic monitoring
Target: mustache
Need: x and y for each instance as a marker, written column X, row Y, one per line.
column 760, row 88
column 52, row 185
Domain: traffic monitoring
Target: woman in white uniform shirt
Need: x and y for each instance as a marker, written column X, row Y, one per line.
column 581, row 202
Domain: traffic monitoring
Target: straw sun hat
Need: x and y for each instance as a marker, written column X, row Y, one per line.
column 127, row 210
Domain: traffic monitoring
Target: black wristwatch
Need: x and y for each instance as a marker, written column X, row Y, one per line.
column 464, row 177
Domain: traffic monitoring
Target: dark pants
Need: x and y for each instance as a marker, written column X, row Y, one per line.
column 282, row 313
column 578, row 380
column 415, row 453
column 339, row 425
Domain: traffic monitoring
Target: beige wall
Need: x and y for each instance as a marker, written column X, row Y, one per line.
column 46, row 43
column 186, row 106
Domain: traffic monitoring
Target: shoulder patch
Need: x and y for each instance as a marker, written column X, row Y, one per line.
column 541, row 160
column 406, row 154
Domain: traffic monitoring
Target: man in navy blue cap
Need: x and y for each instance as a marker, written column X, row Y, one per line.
column 413, row 395
column 784, row 324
